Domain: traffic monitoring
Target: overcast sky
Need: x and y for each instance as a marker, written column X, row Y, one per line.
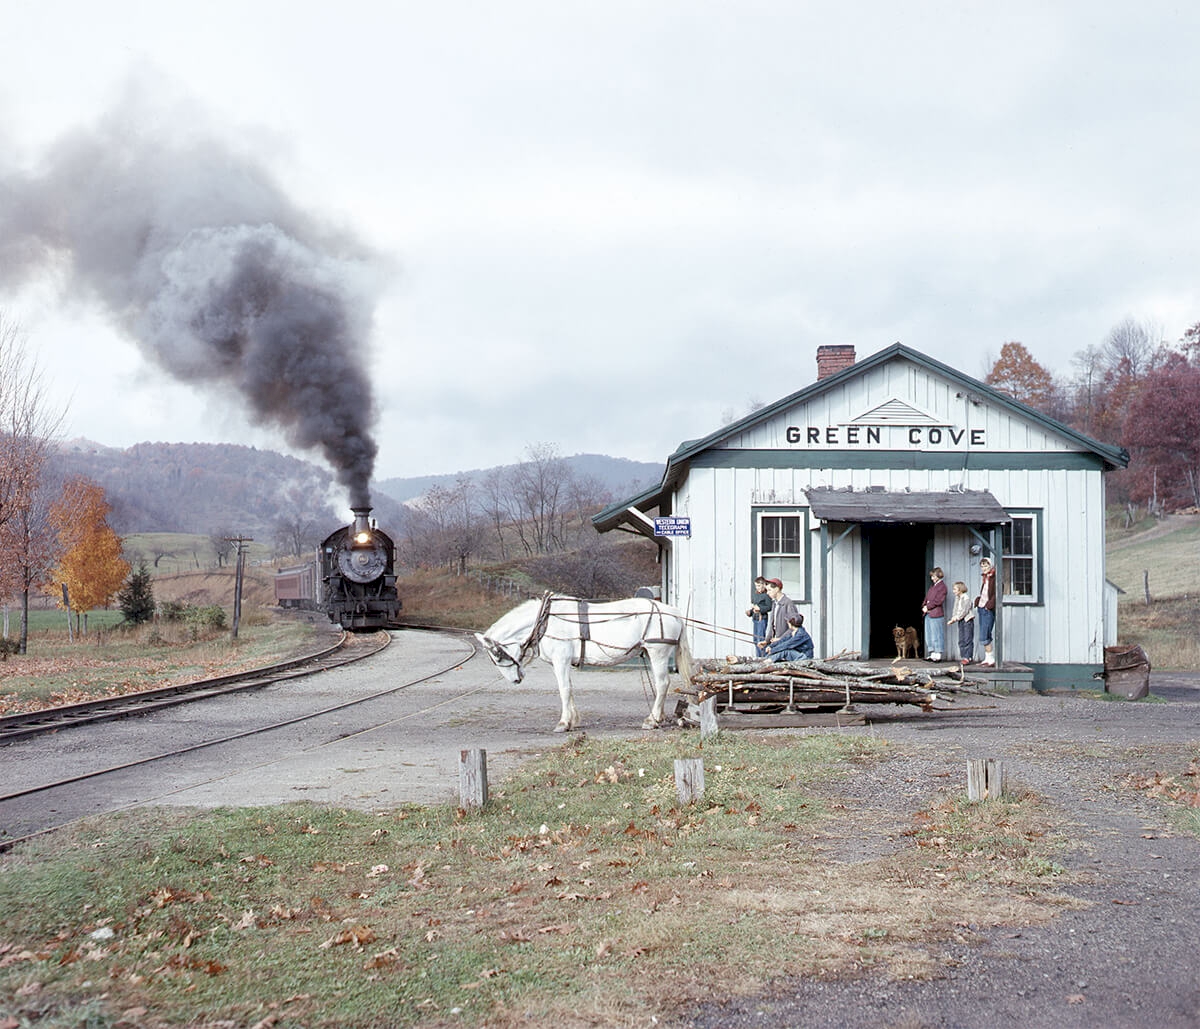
column 613, row 226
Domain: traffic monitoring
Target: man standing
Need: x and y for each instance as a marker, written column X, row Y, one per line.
column 760, row 609
column 782, row 608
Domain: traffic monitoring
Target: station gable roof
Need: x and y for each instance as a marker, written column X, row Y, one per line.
column 632, row 512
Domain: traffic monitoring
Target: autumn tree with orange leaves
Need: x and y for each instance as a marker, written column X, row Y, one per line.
column 91, row 566
column 1022, row 378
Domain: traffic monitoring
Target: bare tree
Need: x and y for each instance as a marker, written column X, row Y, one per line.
column 1131, row 346
column 587, row 495
column 27, row 423
column 539, row 491
column 28, row 427
column 494, row 502
column 446, row 528
column 295, row 535
column 28, row 550
column 221, row 540
column 1087, row 387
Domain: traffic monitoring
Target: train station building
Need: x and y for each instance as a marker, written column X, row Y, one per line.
column 850, row 490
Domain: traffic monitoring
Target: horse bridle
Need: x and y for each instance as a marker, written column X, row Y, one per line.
column 499, row 650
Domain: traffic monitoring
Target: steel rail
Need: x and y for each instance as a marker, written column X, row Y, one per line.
column 52, row 719
column 10, row 843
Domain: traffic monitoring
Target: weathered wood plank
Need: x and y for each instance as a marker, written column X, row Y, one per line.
column 472, row 778
column 689, row 779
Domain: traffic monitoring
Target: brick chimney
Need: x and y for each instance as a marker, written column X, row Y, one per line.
column 831, row 360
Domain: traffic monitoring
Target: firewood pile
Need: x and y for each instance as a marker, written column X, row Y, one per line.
column 754, row 683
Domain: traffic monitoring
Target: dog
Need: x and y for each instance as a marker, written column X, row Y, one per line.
column 906, row 643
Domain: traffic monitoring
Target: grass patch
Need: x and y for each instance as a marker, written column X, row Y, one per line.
column 1167, row 630
column 1172, row 559
column 171, row 553
column 57, row 671
column 435, row 598
column 582, row 896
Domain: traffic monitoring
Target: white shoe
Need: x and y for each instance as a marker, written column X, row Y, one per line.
column 990, row 661
column 935, row 656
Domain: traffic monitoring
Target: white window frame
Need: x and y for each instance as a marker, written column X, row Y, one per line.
column 1030, row 560
column 795, row 586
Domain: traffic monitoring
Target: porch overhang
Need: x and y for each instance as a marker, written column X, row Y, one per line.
column 953, row 507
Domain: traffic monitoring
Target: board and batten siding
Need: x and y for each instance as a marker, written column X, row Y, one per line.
column 709, row 575
column 713, row 570
column 896, row 421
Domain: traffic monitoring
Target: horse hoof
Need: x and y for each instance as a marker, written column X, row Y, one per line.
column 560, row 727
column 650, row 723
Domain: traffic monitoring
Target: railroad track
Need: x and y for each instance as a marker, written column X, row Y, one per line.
column 44, row 795
column 127, row 705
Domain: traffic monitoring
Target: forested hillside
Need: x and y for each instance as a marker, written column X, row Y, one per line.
column 199, row 487
column 202, row 487
column 617, row 476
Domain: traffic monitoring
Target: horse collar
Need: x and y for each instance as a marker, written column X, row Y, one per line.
column 537, row 631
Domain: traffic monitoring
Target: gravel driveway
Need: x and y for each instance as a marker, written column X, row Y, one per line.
column 1128, row 957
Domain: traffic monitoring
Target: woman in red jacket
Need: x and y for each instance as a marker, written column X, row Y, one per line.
column 935, row 616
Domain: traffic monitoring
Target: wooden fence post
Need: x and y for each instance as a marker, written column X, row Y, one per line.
column 708, row 719
column 472, row 778
column 986, row 778
column 689, row 779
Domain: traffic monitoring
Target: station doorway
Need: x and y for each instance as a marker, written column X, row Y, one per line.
column 898, row 562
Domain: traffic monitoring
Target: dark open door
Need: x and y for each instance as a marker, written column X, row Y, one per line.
column 898, row 576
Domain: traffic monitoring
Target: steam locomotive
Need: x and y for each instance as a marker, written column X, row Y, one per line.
column 352, row 579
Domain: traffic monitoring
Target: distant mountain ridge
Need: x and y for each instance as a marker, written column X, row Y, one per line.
column 206, row 487
column 618, row 475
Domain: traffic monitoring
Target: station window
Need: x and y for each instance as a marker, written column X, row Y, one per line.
column 783, row 550
column 1021, row 580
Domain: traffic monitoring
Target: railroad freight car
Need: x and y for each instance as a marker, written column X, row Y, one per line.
column 297, row 587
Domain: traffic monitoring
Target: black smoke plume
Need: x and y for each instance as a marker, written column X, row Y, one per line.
column 196, row 253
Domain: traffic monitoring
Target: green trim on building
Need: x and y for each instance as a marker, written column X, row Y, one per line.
column 912, row 460
column 1048, row 677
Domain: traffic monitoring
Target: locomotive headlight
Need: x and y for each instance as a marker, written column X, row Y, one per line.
column 362, row 538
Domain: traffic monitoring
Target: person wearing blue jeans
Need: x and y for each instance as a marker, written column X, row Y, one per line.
column 964, row 615
column 985, row 607
column 935, row 616
column 759, row 610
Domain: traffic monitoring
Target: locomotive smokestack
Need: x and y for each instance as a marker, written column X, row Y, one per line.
column 361, row 530
column 197, row 254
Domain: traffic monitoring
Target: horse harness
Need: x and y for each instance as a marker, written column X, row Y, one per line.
column 584, row 622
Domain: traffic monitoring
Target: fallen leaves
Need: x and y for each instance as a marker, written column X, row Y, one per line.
column 358, row 935
column 1168, row 787
column 386, row 959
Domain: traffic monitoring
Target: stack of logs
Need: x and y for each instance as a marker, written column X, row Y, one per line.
column 754, row 683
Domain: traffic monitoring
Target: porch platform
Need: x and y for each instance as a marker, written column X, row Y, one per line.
column 1007, row 677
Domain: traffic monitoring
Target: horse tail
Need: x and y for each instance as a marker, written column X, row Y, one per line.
column 683, row 658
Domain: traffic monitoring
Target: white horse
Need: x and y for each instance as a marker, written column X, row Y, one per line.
column 566, row 632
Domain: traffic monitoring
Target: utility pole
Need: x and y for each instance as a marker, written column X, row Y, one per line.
column 67, row 605
column 240, row 543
